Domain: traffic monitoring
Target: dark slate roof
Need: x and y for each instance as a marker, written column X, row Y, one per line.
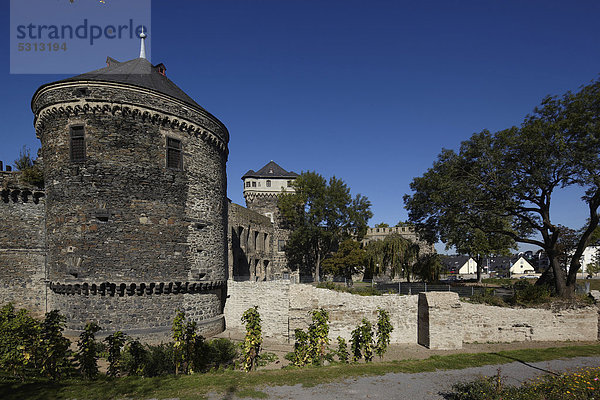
column 137, row 72
column 454, row 261
column 499, row 263
column 271, row 170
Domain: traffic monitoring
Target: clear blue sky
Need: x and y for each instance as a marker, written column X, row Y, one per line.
column 369, row 91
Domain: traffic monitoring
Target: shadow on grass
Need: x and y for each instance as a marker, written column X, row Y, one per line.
column 33, row 390
column 525, row 363
column 102, row 388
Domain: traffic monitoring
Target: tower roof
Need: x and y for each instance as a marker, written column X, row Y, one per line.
column 271, row 170
column 137, row 72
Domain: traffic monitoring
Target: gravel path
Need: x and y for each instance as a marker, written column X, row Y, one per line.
column 419, row 386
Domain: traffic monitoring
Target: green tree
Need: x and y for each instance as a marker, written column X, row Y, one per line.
column 428, row 267
column 393, row 252
column 321, row 214
column 506, row 181
column 31, row 172
column 440, row 211
column 347, row 261
column 382, row 225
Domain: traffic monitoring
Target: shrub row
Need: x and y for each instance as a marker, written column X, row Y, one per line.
column 31, row 348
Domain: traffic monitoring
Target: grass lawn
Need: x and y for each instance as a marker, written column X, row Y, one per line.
column 242, row 384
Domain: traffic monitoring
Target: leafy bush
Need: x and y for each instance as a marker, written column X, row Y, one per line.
column 88, row 351
column 318, row 336
column 114, row 344
column 487, row 296
column 361, row 342
column 187, row 344
column 300, row 356
column 583, row 384
column 342, row 351
column 221, row 352
column 19, row 341
column 362, row 291
column 253, row 339
column 55, row 360
column 528, row 294
column 384, row 329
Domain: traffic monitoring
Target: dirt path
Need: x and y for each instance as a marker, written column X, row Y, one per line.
column 421, row 386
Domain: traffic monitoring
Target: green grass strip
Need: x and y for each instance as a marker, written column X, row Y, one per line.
column 248, row 385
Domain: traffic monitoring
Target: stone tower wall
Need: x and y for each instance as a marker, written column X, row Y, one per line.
column 124, row 231
column 22, row 248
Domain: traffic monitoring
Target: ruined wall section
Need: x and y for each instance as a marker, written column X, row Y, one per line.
column 438, row 320
column 250, row 244
column 267, row 204
column 22, row 246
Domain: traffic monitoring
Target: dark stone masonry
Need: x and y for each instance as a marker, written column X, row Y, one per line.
column 132, row 223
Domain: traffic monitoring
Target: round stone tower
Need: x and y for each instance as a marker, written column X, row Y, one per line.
column 136, row 200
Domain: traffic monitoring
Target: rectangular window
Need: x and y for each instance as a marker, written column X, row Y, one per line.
column 281, row 245
column 247, row 184
column 253, row 184
column 77, row 144
column 268, row 183
column 174, row 158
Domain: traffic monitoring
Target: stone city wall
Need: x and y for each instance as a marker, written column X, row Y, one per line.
column 445, row 322
column 438, row 320
column 22, row 248
column 284, row 307
column 272, row 299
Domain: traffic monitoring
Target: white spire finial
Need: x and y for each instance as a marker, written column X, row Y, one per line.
column 143, row 44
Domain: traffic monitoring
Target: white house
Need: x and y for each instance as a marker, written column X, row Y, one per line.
column 521, row 266
column 469, row 267
column 588, row 257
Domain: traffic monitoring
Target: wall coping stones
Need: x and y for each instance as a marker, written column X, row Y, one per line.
column 130, row 289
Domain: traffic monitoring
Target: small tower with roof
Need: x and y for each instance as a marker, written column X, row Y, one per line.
column 261, row 191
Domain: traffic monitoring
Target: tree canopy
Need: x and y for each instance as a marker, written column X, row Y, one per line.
column 320, row 214
column 502, row 183
column 394, row 252
column 348, row 260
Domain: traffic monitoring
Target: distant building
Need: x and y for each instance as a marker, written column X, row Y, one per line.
column 521, row 266
column 460, row 265
column 407, row 232
column 256, row 234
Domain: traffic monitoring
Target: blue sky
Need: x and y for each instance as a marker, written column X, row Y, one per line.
column 368, row 91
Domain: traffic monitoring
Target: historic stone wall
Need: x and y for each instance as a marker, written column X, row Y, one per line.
column 121, row 220
column 500, row 324
column 438, row 320
column 22, row 249
column 346, row 311
column 445, row 323
column 250, row 244
column 139, row 314
column 284, row 307
column 272, row 299
column 267, row 204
